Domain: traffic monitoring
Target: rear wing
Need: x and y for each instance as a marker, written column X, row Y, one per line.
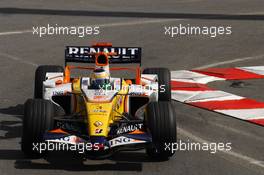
column 84, row 54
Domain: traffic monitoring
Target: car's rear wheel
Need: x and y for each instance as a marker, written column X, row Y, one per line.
column 40, row 76
column 38, row 118
column 164, row 81
column 161, row 121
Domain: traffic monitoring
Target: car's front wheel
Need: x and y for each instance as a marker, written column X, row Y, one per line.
column 38, row 118
column 161, row 122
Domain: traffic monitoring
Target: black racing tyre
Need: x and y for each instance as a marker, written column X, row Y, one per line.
column 164, row 80
column 161, row 121
column 40, row 76
column 38, row 118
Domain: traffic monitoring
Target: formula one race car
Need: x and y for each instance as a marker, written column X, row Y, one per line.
column 106, row 113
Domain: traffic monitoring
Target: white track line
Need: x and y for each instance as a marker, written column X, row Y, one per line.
column 236, row 155
column 137, row 22
column 230, row 61
column 119, row 24
column 15, row 32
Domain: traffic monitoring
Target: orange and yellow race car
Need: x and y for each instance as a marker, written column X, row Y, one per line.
column 98, row 114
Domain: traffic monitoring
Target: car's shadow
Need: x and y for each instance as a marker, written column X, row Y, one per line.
column 12, row 128
column 123, row 161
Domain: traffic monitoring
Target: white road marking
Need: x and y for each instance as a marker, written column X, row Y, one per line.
column 236, row 155
column 254, row 69
column 15, row 32
column 138, row 22
column 230, row 61
column 101, row 25
column 244, row 114
column 203, row 96
column 18, row 59
column 192, row 77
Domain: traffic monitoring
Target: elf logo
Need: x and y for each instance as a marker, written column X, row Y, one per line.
column 98, row 131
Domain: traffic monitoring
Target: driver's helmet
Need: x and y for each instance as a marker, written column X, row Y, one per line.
column 100, row 79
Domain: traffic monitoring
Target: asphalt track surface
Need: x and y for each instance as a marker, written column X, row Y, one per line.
column 137, row 23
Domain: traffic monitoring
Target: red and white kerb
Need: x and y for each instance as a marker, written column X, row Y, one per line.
column 190, row 87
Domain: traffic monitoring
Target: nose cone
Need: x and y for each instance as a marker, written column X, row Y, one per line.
column 99, row 117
